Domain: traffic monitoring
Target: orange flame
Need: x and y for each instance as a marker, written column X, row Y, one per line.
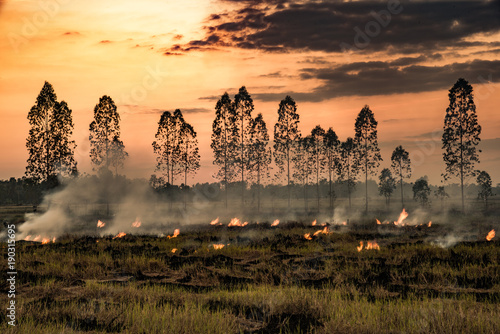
column 378, row 222
column 490, row 235
column 45, row 241
column 215, row 221
column 402, row 216
column 100, row 224
column 137, row 223
column 53, row 239
column 344, row 223
column 174, row 250
column 176, row 233
column 236, row 222
column 360, row 247
column 120, row 235
column 430, row 224
column 372, row 245
column 275, row 223
column 38, row 237
column 323, row 231
column 27, row 238
column 218, row 246
column 314, row 223
column 308, row 236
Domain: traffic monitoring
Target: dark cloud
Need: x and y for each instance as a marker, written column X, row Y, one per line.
column 72, row 33
column 384, row 78
column 105, row 41
column 333, row 26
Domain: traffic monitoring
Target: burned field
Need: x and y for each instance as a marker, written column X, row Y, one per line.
column 290, row 278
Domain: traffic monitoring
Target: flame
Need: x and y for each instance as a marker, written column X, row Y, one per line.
column 137, row 223
column 45, row 241
column 372, row 245
column 323, row 231
column 53, row 240
column 402, row 216
column 38, row 237
column 176, row 233
column 236, row 222
column 275, row 223
column 344, row 223
column 378, row 222
column 430, row 224
column 218, row 246
column 27, row 238
column 120, row 235
column 308, row 236
column 314, row 223
column 215, row 221
column 490, row 235
column 100, row 224
column 174, row 250
column 360, row 247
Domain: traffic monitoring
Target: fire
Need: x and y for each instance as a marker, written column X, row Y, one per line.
column 378, row 222
column 314, row 223
column 100, row 224
column 27, row 238
column 275, row 223
column 236, row 222
column 137, row 223
column 218, row 246
column 323, row 231
column 360, row 247
column 176, row 233
column 174, row 250
column 430, row 224
column 402, row 216
column 308, row 236
column 53, row 239
column 372, row 245
column 120, row 235
column 344, row 223
column 45, row 241
column 38, row 237
column 490, row 235
column 215, row 221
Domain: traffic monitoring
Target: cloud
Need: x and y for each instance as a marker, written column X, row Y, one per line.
column 279, row 26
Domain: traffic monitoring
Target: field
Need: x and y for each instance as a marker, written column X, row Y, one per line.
column 263, row 280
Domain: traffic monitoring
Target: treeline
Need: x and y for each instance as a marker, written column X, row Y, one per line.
column 244, row 153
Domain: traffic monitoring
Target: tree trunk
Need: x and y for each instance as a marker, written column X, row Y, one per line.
column 401, row 176
column 258, row 188
column 366, row 175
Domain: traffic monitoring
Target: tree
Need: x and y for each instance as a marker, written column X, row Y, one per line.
column 461, row 134
column 225, row 141
column 485, row 191
column 304, row 163
column 348, row 168
column 318, row 148
column 331, row 144
column 104, row 129
column 166, row 146
column 421, row 191
column 259, row 154
column 366, row 138
column 51, row 151
column 189, row 156
column 441, row 194
column 386, row 185
column 286, row 138
column 243, row 105
column 401, row 166
column 117, row 154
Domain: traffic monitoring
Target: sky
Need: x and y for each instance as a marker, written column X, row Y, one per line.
column 332, row 57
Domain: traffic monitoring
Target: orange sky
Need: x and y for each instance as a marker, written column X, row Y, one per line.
column 94, row 48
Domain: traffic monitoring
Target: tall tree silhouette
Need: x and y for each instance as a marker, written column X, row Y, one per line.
column 484, row 182
column 348, row 168
column 304, row 164
column 51, row 151
column 386, row 185
column 259, row 153
column 331, row 145
column 366, row 138
column 461, row 134
column 286, row 137
column 401, row 167
column 189, row 157
column 319, row 155
column 421, row 191
column 243, row 105
column 103, row 130
column 225, row 141
column 166, row 146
